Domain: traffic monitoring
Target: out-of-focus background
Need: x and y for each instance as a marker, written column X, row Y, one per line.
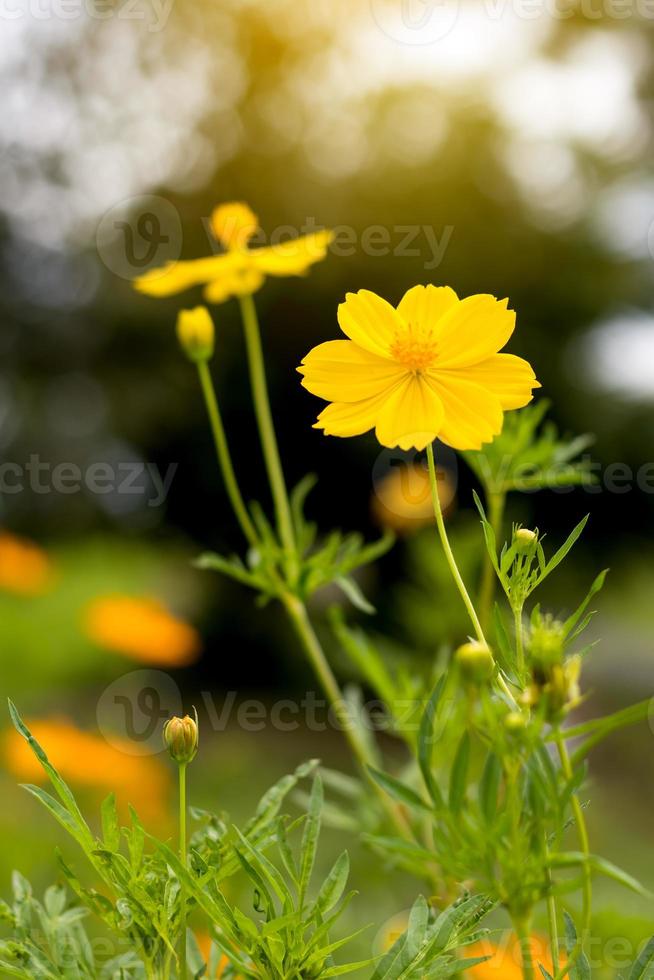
column 500, row 147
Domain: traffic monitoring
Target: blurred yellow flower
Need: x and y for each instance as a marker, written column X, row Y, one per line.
column 24, row 567
column 428, row 369
column 402, row 500
column 239, row 270
column 141, row 628
column 89, row 761
column 505, row 959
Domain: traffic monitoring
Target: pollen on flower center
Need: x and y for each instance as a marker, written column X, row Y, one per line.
column 415, row 348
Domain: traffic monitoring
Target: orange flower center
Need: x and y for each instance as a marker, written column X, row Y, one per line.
column 415, row 348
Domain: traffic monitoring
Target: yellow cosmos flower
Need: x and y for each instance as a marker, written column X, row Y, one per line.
column 87, row 760
column 428, row 369
column 25, row 569
column 141, row 628
column 505, row 959
column 239, row 270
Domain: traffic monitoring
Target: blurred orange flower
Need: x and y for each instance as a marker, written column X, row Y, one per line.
column 239, row 270
column 141, row 628
column 24, row 567
column 88, row 760
column 402, row 501
column 204, row 942
column 505, row 959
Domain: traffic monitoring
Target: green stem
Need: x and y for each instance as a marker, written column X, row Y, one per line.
column 552, row 918
column 496, row 503
column 522, row 926
column 456, row 574
column 266, row 426
column 519, row 641
column 582, row 831
column 224, row 456
column 311, row 645
column 183, row 859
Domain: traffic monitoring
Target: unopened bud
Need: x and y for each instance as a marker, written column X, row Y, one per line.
column 525, row 540
column 515, row 722
column 475, row 660
column 181, row 738
column 195, row 332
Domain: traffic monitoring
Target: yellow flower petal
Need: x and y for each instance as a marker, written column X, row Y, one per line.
column 341, row 371
column 411, row 417
column 473, row 415
column 234, row 224
column 293, row 257
column 176, row 276
column 351, row 418
column 473, row 330
column 425, row 305
column 511, row 378
column 370, row 321
column 243, row 280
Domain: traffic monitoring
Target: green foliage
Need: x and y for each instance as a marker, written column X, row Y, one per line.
column 530, row 455
column 289, row 932
column 322, row 562
column 49, row 940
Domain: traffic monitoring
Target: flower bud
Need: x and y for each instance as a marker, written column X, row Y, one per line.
column 195, row 332
column 181, row 738
column 475, row 660
column 525, row 540
column 515, row 722
column 546, row 643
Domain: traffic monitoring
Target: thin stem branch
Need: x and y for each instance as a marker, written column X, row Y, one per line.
column 183, row 859
column 266, row 426
column 224, row 456
column 522, row 926
column 552, row 920
column 584, row 842
column 312, row 647
column 519, row 642
column 496, row 503
column 456, row 574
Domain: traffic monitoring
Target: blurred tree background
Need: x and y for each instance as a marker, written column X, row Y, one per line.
column 512, row 141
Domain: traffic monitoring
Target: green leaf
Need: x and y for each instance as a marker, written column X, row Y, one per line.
column 334, row 884
column 231, row 567
column 353, row 592
column 61, row 815
column 110, row 826
column 581, row 968
column 596, row 587
column 398, row 790
column 459, row 774
column 601, row 865
column 426, row 743
column 62, row 789
column 558, row 557
column 310, row 835
column 639, row 970
column 417, row 928
column 489, row 786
